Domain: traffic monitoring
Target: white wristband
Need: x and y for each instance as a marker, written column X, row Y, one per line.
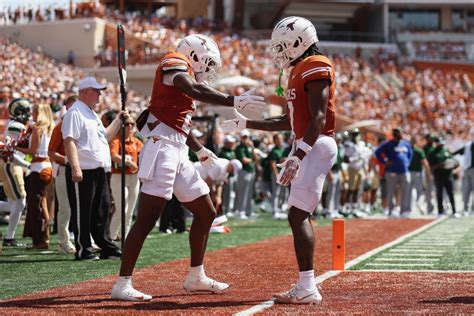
column 304, row 147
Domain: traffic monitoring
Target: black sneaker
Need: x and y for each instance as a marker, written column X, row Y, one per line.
column 88, row 257
column 12, row 243
column 115, row 255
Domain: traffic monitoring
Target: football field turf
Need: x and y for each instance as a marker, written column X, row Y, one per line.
column 447, row 246
column 24, row 271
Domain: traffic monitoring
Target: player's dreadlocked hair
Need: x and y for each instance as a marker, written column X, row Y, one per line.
column 311, row 51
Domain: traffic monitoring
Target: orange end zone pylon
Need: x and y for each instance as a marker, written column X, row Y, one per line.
column 338, row 244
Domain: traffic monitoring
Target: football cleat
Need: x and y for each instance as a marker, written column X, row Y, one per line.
column 297, row 295
column 204, row 284
column 124, row 291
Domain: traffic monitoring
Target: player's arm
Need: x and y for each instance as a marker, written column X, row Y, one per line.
column 201, row 92
column 271, row 124
column 318, row 95
column 204, row 93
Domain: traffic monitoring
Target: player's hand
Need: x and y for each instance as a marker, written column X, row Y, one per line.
column 289, row 170
column 206, row 157
column 249, row 101
column 235, row 125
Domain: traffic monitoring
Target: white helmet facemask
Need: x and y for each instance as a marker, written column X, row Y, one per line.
column 203, row 54
column 291, row 37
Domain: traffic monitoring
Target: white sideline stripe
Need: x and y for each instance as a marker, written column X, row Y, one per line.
column 414, row 250
column 376, row 264
column 415, row 271
column 405, row 255
column 405, row 259
column 267, row 304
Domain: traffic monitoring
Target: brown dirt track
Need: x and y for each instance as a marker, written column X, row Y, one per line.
column 259, row 270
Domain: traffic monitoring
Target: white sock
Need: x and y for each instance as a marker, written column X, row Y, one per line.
column 125, row 280
column 197, row 272
column 306, row 280
column 16, row 208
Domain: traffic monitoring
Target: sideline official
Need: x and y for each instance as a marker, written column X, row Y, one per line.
column 86, row 142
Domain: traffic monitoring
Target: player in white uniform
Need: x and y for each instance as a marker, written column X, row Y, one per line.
column 310, row 97
column 11, row 170
column 164, row 165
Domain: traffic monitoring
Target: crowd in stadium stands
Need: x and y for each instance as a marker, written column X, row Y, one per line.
column 416, row 102
column 28, row 14
column 423, row 99
column 440, row 50
column 32, row 75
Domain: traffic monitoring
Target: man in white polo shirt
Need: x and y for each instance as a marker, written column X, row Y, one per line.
column 86, row 142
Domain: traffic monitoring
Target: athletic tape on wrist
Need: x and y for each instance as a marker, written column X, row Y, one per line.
column 304, row 147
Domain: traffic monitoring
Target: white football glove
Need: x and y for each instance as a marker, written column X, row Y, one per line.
column 206, row 157
column 235, row 125
column 249, row 101
column 289, row 170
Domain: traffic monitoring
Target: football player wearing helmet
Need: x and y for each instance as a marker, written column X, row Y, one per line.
column 311, row 116
column 11, row 170
column 181, row 78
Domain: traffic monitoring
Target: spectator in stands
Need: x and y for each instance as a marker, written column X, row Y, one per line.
column 133, row 146
column 37, row 217
column 396, row 155
column 57, row 155
column 246, row 177
column 88, row 154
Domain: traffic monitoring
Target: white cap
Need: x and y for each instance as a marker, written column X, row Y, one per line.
column 236, row 164
column 230, row 139
column 90, row 82
column 245, row 132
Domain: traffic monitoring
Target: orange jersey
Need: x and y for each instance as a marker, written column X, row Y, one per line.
column 169, row 104
column 315, row 67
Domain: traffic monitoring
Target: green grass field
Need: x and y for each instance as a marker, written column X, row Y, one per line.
column 446, row 246
column 24, row 271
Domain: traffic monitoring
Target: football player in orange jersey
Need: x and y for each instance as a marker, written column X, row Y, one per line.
column 311, row 117
column 165, row 168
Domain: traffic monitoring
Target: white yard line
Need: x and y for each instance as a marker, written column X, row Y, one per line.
column 405, row 259
column 267, row 304
column 388, row 264
column 410, row 271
